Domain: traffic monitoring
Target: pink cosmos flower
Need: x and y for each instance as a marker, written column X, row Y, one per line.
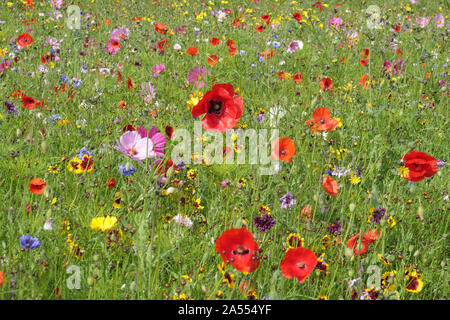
column 120, row 33
column 439, row 20
column 158, row 69
column 132, row 144
column 158, row 139
column 423, row 21
column 335, row 22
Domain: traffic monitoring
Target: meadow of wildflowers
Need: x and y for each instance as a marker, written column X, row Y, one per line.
column 347, row 100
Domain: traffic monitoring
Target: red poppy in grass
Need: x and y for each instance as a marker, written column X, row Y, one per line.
column 330, row 185
column 161, row 167
column 161, row 28
column 238, row 248
column 24, row 40
column 259, row 28
column 364, row 53
column 298, row 77
column 363, row 81
column 265, row 17
column 192, row 51
column 163, row 44
column 297, row 16
column 397, row 28
column 128, row 127
column 326, row 84
column 30, row 102
column 231, row 44
column 299, row 263
column 130, row 84
column 214, row 41
column 363, row 62
column 2, row 277
column 212, row 60
column 111, row 183
column 222, row 108
column 236, row 22
column 45, row 58
column 37, row 186
column 322, row 121
column 283, row 149
column 420, row 165
column 360, row 248
column 232, row 51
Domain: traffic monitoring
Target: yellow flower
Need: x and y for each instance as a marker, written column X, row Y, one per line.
column 194, row 99
column 117, row 200
column 294, row 241
column 354, row 179
column 384, row 260
column 192, row 174
column 322, row 297
column 103, row 223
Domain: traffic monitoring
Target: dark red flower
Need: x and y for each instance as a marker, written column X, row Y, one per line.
column 24, row 40
column 299, row 263
column 326, row 84
column 238, row 248
column 297, row 16
column 214, row 41
column 420, row 165
column 169, row 132
column 128, row 127
column 163, row 44
column 111, row 183
column 222, row 108
column 30, row 102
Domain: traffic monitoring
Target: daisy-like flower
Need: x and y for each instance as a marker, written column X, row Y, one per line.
column 131, row 144
column 294, row 241
column 194, row 99
column 103, row 223
column 29, row 243
column 158, row 69
column 413, row 280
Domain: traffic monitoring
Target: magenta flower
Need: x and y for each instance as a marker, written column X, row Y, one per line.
column 158, row 139
column 132, row 145
column 158, row 69
column 439, row 20
column 335, row 22
column 120, row 33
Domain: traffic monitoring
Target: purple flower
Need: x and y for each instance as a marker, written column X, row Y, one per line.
column 335, row 228
column 29, row 243
column 260, row 118
column 127, row 169
column 377, row 215
column 264, row 223
column 441, row 163
column 158, row 139
column 335, row 22
column 287, row 201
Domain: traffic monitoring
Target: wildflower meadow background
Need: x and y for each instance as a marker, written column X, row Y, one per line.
column 93, row 93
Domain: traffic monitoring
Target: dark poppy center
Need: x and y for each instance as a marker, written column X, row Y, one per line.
column 322, row 121
column 215, row 107
column 241, row 250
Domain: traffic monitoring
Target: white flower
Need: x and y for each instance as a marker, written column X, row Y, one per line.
column 183, row 221
column 48, row 224
column 177, row 46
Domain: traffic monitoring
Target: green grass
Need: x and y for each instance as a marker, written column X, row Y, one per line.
column 396, row 114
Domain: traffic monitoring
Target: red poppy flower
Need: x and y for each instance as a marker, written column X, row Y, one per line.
column 163, row 44
column 24, row 40
column 115, row 44
column 30, row 102
column 162, row 169
column 297, row 16
column 192, row 51
column 318, row 5
column 222, row 108
column 330, row 185
column 259, row 28
column 322, row 121
column 397, row 28
column 232, row 51
column 37, row 186
column 111, row 183
column 364, row 53
column 298, row 77
column 161, row 28
column 359, row 249
column 169, row 132
column 128, row 127
column 212, row 60
column 363, row 81
column 2, row 277
column 238, row 248
column 299, row 263
column 214, row 41
column 326, row 84
column 45, row 58
column 231, row 44
column 130, row 84
column 283, row 149
column 363, row 62
column 420, row 165
column 265, row 17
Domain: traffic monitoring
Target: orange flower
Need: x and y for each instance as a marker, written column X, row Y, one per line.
column 232, row 51
column 298, row 77
column 259, row 28
column 371, row 236
column 305, row 212
column 161, row 28
column 192, row 51
column 363, row 81
column 322, row 121
column 283, row 149
column 214, row 41
column 330, row 185
column 364, row 53
column 266, row 54
column 107, row 22
column 2, row 278
column 37, row 186
column 163, row 44
column 212, row 60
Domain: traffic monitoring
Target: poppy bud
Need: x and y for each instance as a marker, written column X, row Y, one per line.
column 352, row 207
column 411, row 248
column 416, row 254
column 90, row 281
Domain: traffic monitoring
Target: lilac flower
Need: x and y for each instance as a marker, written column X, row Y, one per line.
column 276, row 44
column 180, row 166
column 148, row 92
column 294, row 46
column 340, row 172
column 287, row 201
column 260, row 118
column 264, row 223
column 55, row 117
column 225, row 183
column 120, row 33
column 29, row 243
column 441, row 163
column 127, row 169
column 76, row 83
column 439, row 20
column 423, row 21
column 158, row 69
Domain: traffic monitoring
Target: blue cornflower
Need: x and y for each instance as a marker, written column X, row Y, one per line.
column 275, row 36
column 29, row 243
column 261, row 59
column 76, row 82
column 83, row 152
column 84, row 69
column 127, row 169
column 64, row 79
column 276, row 44
column 54, row 117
